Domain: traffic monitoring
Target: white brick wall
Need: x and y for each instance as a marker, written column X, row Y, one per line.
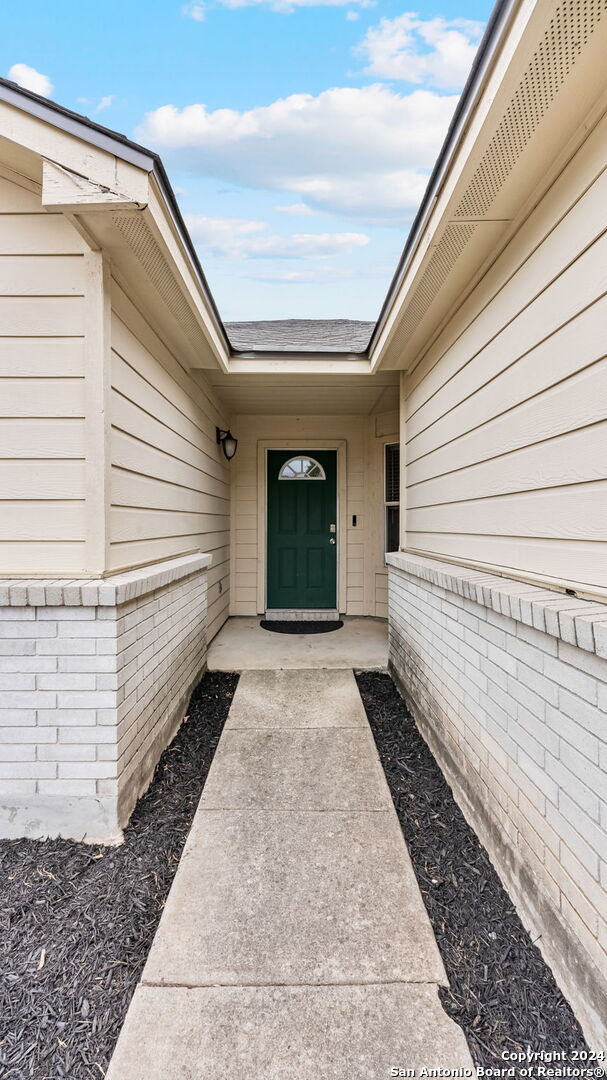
column 90, row 695
column 515, row 714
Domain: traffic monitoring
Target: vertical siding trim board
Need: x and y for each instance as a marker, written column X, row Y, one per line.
column 97, row 424
column 101, row 673
column 508, row 684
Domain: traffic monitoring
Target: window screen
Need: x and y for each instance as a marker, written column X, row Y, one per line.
column 392, row 496
column 392, row 527
column 392, row 473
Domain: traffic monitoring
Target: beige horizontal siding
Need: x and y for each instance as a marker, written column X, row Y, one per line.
column 39, row 234
column 578, row 562
column 41, row 275
column 572, row 458
column 506, row 413
column 170, row 484
column 39, row 358
column 61, row 519
column 576, row 512
column 26, row 559
column 42, row 397
column 18, row 199
column 21, row 479
column 44, row 437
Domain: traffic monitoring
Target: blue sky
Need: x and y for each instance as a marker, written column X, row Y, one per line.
column 298, row 134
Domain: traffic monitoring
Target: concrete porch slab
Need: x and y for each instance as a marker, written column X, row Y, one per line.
column 304, row 698
column 269, row 1033
column 265, row 897
column 322, row 769
column 242, row 645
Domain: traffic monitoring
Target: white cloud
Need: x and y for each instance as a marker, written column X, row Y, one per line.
column 373, row 196
column 195, row 11
column 365, row 150
column 298, row 209
column 30, row 79
column 245, row 239
column 102, row 104
column 287, row 7
column 105, row 102
column 326, row 274
column 352, row 16
column 438, row 52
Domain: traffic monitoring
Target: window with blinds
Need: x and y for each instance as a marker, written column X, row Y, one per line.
column 392, row 495
column 392, row 473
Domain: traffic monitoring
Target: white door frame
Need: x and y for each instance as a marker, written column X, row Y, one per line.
column 309, row 446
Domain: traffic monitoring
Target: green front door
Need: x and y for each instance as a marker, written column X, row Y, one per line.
column 302, row 529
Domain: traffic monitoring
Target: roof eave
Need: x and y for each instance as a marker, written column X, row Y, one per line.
column 82, row 127
column 494, row 32
column 137, row 155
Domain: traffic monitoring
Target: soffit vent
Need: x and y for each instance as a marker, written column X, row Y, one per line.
column 144, row 246
column 442, row 261
column 569, row 31
column 563, row 43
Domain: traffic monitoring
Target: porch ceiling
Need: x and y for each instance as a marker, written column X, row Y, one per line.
column 313, row 394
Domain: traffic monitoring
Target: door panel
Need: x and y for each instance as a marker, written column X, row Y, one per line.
column 314, row 506
column 287, row 513
column 302, row 561
column 315, row 568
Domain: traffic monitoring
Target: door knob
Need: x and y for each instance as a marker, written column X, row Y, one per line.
column 331, row 539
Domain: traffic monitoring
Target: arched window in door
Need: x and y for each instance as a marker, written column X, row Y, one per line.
column 302, row 468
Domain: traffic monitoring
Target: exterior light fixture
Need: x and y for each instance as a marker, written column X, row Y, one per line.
column 228, row 442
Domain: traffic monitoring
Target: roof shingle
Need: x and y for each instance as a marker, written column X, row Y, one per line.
column 300, row 335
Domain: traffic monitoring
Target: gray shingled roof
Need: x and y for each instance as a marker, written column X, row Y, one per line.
column 302, row 335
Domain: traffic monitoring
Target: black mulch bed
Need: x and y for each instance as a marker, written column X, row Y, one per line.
column 501, row 992
column 303, row 626
column 77, row 922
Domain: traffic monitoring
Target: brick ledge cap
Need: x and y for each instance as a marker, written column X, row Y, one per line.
column 100, row 592
column 582, row 623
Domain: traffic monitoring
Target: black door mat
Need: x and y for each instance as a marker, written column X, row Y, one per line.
column 301, row 626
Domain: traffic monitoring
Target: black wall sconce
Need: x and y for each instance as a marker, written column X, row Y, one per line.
column 227, row 441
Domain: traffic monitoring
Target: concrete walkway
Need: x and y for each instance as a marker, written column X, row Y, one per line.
column 294, row 942
column 243, row 643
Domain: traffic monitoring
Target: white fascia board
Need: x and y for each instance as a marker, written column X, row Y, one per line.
column 70, row 149
column 69, row 192
column 303, row 364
